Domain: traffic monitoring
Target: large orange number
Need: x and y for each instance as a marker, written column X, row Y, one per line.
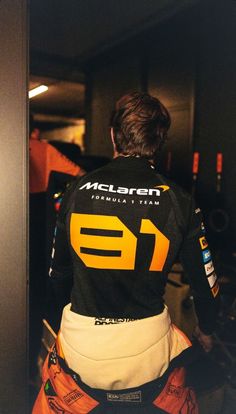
column 161, row 247
column 116, row 252
column 125, row 245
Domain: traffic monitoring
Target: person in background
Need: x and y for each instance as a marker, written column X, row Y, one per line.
column 43, row 159
column 119, row 231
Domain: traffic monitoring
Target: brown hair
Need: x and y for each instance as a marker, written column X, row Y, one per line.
column 140, row 123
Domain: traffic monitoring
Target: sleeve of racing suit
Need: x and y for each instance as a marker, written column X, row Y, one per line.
column 61, row 269
column 197, row 261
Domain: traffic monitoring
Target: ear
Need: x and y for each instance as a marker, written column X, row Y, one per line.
column 114, row 145
column 112, row 137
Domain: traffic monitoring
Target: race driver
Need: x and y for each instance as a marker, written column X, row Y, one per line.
column 119, row 231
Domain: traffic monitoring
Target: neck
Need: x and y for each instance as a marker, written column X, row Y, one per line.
column 118, row 154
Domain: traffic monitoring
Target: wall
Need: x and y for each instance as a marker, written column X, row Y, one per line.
column 13, row 207
column 107, row 82
column 160, row 62
column 215, row 127
column 73, row 133
column 189, row 62
column 171, row 78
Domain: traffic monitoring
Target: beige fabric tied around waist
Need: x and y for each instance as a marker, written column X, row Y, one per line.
column 119, row 355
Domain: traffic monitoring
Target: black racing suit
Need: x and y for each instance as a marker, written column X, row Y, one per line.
column 119, row 231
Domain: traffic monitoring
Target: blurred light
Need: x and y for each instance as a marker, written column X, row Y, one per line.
column 37, row 91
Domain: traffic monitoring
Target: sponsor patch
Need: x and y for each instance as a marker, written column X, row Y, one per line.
column 55, row 407
column 209, row 268
column 203, row 227
column 177, row 392
column 49, row 390
column 212, row 279
column 112, row 321
column 72, row 397
column 215, row 290
column 163, row 187
column 203, row 242
column 133, row 397
column 52, row 359
column 110, row 188
column 206, row 254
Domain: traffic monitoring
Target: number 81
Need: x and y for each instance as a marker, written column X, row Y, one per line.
column 124, row 246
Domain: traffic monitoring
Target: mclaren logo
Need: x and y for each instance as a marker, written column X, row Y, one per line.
column 163, row 187
column 110, row 188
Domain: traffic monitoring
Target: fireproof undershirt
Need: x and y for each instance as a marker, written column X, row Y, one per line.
column 120, row 229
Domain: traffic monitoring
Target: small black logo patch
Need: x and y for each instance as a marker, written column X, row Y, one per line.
column 72, row 397
column 133, row 397
column 112, row 321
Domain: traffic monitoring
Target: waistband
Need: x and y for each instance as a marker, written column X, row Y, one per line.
column 119, row 340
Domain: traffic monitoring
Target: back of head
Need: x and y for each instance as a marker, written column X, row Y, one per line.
column 140, row 123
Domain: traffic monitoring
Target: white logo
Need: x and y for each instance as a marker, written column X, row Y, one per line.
column 209, row 267
column 120, row 190
column 212, row 279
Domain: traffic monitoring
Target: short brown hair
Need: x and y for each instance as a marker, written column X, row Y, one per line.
column 140, row 123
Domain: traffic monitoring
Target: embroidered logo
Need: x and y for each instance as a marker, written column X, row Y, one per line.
column 203, row 242
column 206, row 254
column 176, row 391
column 72, row 397
column 112, row 321
column 209, row 268
column 133, row 397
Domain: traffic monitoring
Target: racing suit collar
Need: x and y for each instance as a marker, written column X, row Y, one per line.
column 132, row 162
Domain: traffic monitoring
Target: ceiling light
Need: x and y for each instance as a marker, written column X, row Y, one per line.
column 37, row 91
